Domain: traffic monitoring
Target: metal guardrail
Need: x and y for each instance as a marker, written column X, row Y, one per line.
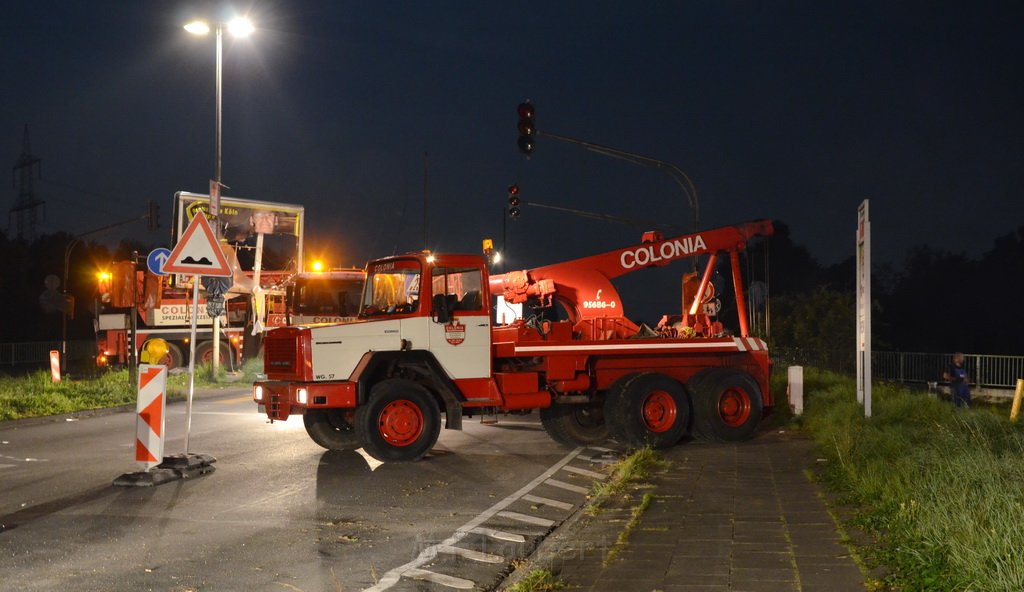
column 989, row 371
column 986, row 371
column 38, row 352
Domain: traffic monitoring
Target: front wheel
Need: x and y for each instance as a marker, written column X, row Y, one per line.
column 575, row 425
column 400, row 422
column 650, row 410
column 331, row 428
column 727, row 405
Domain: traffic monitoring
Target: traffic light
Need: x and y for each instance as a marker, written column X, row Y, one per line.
column 527, row 127
column 513, row 201
column 154, row 215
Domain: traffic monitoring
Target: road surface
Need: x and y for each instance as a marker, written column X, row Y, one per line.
column 279, row 512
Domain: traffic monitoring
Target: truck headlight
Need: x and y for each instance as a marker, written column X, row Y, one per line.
column 302, row 395
column 257, row 392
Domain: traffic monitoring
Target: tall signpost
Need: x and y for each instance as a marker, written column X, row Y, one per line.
column 864, row 308
column 197, row 253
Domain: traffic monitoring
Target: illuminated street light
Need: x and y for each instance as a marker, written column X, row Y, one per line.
column 197, row 27
column 238, row 27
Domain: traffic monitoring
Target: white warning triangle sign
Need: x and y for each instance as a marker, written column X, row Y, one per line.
column 197, row 252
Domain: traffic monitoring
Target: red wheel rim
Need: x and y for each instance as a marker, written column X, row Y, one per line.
column 659, row 411
column 734, row 407
column 400, row 423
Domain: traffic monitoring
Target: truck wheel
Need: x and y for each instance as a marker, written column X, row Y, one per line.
column 614, row 421
column 649, row 410
column 574, row 425
column 399, row 423
column 331, row 428
column 727, row 405
column 204, row 353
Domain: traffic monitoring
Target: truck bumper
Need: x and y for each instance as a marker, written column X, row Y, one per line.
column 281, row 399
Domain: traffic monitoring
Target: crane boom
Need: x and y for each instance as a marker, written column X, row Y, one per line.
column 584, row 285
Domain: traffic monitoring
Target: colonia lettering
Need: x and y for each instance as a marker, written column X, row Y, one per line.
column 667, row 250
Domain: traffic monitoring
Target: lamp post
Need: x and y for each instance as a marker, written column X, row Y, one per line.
column 238, row 27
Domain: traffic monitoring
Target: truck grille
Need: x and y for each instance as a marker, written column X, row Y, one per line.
column 281, row 354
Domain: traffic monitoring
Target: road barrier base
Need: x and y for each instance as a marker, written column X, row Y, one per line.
column 178, row 466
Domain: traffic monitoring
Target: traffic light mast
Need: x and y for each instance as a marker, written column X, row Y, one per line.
column 528, row 132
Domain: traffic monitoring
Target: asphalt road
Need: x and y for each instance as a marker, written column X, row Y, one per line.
column 279, row 512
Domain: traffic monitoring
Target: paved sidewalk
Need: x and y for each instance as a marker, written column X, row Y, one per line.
column 724, row 517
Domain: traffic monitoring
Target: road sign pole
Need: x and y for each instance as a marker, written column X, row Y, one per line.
column 192, row 360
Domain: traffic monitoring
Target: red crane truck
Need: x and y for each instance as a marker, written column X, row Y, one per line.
column 425, row 345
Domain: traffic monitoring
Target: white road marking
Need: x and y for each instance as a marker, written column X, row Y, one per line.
column 501, row 535
column 600, row 448
column 585, row 472
column 371, row 462
column 527, row 518
column 546, row 501
column 444, row 580
column 471, row 554
column 392, row 577
column 567, row 486
column 16, row 459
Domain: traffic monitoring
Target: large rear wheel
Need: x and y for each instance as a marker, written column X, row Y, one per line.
column 332, row 428
column 575, row 425
column 651, row 409
column 400, row 422
column 727, row 405
column 204, row 354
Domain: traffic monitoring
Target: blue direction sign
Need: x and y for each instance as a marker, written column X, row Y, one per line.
column 156, row 259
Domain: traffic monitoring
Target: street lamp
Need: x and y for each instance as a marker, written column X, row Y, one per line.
column 237, row 27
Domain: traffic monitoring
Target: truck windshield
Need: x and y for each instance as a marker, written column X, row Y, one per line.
column 326, row 296
column 392, row 287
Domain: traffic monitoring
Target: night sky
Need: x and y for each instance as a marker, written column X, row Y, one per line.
column 794, row 111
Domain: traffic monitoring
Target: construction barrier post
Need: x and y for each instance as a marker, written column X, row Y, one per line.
column 54, row 365
column 796, row 389
column 149, row 425
column 1017, row 394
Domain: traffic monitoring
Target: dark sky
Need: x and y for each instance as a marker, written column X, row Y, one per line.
column 786, row 110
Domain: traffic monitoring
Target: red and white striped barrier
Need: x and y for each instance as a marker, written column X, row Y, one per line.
column 149, row 425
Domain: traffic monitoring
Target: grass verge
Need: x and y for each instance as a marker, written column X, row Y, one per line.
column 36, row 396
column 939, row 489
column 538, row 580
column 629, row 471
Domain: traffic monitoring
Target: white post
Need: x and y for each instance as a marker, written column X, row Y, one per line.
column 863, row 350
column 796, row 389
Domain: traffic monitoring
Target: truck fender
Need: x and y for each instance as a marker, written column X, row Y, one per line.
column 377, row 366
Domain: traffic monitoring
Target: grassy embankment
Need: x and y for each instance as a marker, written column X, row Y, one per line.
column 940, row 490
column 36, row 396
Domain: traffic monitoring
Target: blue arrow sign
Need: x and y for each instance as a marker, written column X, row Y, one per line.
column 156, row 259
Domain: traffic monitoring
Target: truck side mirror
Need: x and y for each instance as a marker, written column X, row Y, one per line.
column 440, row 309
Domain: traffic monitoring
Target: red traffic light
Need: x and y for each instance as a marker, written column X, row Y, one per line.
column 526, row 110
column 514, row 201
